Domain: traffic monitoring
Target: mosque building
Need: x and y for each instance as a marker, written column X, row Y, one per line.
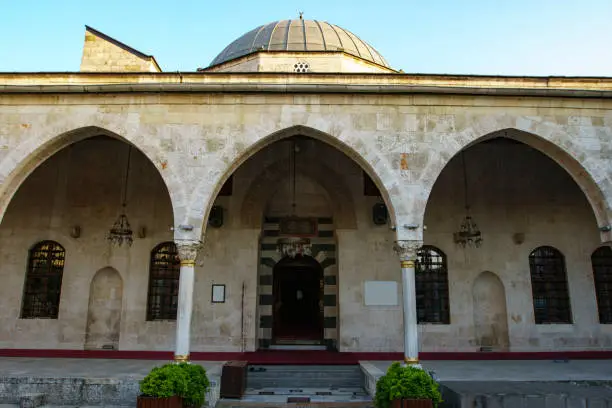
column 300, row 193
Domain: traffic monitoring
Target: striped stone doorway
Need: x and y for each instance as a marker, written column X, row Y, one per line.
column 324, row 253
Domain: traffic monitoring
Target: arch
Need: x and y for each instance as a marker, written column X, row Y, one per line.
column 431, row 279
column 22, row 160
column 375, row 165
column 164, row 271
column 591, row 176
column 267, row 181
column 601, row 261
column 43, row 283
column 104, row 311
column 490, row 312
column 551, row 301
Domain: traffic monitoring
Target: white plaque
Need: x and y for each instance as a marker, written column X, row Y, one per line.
column 218, row 293
column 380, row 293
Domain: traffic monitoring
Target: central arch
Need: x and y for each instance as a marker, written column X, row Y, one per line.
column 377, row 167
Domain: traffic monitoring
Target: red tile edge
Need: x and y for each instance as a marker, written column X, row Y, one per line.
column 305, row 357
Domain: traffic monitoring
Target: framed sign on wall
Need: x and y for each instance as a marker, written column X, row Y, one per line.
column 218, row 293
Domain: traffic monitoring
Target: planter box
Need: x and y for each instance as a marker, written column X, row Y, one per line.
column 412, row 403
column 152, row 402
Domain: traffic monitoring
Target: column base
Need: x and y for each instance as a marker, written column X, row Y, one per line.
column 181, row 358
column 411, row 361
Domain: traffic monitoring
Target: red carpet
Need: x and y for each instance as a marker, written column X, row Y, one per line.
column 304, row 357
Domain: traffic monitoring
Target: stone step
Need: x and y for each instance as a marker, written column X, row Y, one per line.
column 316, row 376
column 32, row 400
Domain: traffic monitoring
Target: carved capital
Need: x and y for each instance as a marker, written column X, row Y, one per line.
column 407, row 249
column 188, row 250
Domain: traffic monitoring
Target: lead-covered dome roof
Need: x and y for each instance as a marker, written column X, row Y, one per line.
column 299, row 35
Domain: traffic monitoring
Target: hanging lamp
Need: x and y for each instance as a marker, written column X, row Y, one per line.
column 121, row 232
column 292, row 246
column 468, row 235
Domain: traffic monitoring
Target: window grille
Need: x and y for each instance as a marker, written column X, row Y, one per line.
column 602, row 274
column 162, row 302
column 301, row 67
column 551, row 303
column 43, row 285
column 431, row 280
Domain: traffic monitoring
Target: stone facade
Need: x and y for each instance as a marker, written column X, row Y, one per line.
column 538, row 158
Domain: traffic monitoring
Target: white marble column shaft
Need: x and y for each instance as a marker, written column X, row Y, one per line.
column 407, row 252
column 188, row 251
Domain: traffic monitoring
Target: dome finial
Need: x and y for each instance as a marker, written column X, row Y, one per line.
column 301, row 13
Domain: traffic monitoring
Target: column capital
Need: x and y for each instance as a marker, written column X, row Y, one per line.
column 188, row 250
column 407, row 249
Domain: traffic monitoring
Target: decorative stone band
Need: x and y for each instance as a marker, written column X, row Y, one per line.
column 188, row 250
column 411, row 361
column 407, row 250
column 407, row 264
column 181, row 358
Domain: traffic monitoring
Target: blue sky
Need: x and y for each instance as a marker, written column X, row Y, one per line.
column 498, row 37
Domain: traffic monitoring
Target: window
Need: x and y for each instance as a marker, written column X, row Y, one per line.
column 164, row 271
column 551, row 302
column 431, row 280
column 43, row 285
column 301, row 67
column 602, row 274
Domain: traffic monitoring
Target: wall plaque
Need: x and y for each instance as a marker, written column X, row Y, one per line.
column 380, row 293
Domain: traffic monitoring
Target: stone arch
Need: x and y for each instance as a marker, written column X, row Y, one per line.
column 267, row 181
column 592, row 177
column 104, row 311
column 377, row 166
column 22, row 160
column 490, row 312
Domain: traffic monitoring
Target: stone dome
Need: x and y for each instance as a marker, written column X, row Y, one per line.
column 299, row 35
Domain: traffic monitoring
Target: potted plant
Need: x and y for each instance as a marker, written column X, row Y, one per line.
column 406, row 387
column 174, row 386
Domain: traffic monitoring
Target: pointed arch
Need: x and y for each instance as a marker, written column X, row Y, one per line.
column 43, row 282
column 551, row 140
column 35, row 149
column 551, row 301
column 375, row 165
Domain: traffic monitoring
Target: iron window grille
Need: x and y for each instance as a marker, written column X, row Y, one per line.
column 431, row 280
column 551, row 303
column 164, row 270
column 601, row 260
column 43, row 285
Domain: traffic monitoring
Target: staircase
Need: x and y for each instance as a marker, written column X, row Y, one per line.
column 305, row 385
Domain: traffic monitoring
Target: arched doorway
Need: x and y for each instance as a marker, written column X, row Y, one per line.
column 298, row 301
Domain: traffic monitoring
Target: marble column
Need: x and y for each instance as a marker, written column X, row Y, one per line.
column 188, row 250
column 407, row 252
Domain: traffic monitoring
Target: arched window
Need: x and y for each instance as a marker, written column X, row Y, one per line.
column 43, row 284
column 164, row 270
column 551, row 303
column 431, row 280
column 602, row 274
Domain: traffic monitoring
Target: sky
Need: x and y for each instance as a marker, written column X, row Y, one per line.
column 481, row 37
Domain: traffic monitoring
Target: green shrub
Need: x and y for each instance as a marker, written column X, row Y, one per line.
column 165, row 381
column 405, row 382
column 188, row 381
column 198, row 385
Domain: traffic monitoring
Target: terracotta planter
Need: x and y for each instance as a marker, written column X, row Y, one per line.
column 412, row 403
column 153, row 402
